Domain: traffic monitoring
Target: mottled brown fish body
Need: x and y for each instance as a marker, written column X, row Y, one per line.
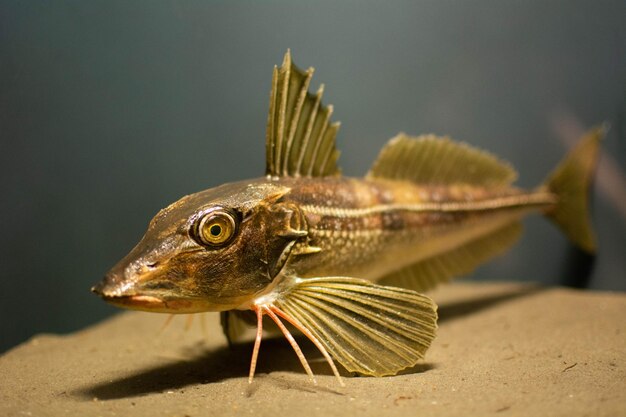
column 370, row 228
column 343, row 260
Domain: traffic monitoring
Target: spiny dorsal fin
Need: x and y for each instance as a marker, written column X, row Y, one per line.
column 431, row 272
column 300, row 139
column 368, row 328
column 439, row 161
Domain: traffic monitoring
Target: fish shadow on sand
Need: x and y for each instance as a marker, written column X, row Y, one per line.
column 206, row 366
column 475, row 304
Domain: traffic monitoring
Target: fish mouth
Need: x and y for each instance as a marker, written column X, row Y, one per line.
column 128, row 299
column 150, row 303
column 122, row 293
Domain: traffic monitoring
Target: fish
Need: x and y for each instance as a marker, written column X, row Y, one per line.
column 343, row 260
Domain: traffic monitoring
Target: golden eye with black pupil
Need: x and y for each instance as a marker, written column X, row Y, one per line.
column 215, row 228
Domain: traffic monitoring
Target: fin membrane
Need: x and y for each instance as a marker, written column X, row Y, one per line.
column 570, row 182
column 368, row 328
column 439, row 161
column 300, row 139
column 433, row 271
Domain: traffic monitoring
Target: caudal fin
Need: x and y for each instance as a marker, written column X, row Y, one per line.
column 570, row 182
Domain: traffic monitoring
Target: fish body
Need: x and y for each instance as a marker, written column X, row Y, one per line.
column 371, row 228
column 344, row 260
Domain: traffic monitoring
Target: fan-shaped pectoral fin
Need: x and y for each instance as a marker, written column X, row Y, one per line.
column 369, row 329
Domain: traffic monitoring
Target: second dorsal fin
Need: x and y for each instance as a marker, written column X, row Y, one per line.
column 439, row 160
column 300, row 138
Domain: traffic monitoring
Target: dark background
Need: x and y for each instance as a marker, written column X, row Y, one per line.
column 111, row 110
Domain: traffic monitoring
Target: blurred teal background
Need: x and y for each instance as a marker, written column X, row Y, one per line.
column 111, row 110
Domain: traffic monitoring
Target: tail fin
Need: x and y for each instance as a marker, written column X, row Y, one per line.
column 570, row 182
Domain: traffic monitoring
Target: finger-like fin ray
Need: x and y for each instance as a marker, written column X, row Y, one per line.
column 275, row 313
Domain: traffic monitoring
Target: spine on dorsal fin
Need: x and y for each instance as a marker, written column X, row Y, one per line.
column 437, row 160
column 300, row 139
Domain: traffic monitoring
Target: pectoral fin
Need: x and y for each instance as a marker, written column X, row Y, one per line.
column 369, row 329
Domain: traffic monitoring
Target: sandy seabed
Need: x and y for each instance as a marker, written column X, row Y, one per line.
column 502, row 349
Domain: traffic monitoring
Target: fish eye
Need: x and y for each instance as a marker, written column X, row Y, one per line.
column 215, row 228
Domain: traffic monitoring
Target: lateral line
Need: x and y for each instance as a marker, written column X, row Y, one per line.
column 537, row 199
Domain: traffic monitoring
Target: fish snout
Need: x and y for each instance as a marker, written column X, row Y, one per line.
column 99, row 288
column 125, row 277
column 114, row 284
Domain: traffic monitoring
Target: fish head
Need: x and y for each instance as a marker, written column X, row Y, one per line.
column 209, row 251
